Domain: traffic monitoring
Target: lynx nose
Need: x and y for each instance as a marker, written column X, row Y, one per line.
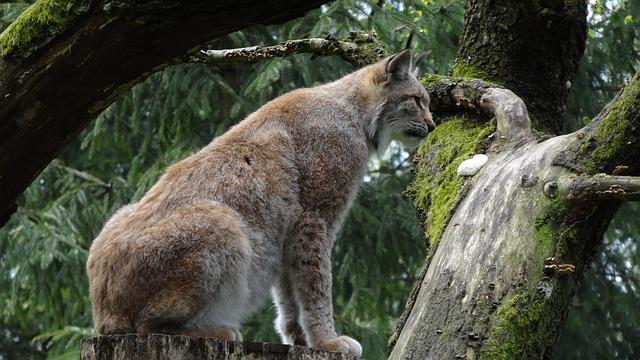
column 429, row 121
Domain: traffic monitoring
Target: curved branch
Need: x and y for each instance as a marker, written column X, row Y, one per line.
column 452, row 94
column 511, row 114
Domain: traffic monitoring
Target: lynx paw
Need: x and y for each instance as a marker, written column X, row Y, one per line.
column 343, row 344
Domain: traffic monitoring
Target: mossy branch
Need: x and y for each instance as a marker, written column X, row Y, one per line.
column 602, row 187
column 359, row 48
column 611, row 140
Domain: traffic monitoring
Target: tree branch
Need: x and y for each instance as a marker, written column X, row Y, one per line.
column 454, row 94
column 360, row 49
column 602, row 187
column 81, row 174
column 52, row 81
column 611, row 140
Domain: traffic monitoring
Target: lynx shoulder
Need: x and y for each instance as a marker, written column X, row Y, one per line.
column 254, row 214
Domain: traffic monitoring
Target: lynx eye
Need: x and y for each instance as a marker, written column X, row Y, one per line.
column 418, row 100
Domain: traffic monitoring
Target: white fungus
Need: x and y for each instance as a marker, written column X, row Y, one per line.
column 471, row 166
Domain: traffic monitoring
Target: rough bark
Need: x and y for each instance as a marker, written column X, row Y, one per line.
column 156, row 347
column 55, row 56
column 530, row 47
column 508, row 246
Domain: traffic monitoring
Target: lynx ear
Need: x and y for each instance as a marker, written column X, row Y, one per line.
column 416, row 63
column 399, row 65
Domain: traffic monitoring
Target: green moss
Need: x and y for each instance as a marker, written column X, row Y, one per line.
column 553, row 236
column 437, row 188
column 546, row 241
column 516, row 329
column 443, row 337
column 465, row 70
column 616, row 131
column 41, row 21
column 553, row 214
column 428, row 80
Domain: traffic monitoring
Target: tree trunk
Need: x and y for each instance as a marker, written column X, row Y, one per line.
column 63, row 62
column 531, row 47
column 509, row 245
column 157, row 347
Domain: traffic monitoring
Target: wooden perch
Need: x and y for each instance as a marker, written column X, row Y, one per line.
column 156, row 347
column 359, row 48
column 602, row 187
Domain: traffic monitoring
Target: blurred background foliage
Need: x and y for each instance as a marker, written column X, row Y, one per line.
column 44, row 306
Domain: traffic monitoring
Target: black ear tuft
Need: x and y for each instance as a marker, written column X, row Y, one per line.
column 409, row 39
column 399, row 65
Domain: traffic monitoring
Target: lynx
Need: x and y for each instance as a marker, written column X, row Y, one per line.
column 255, row 211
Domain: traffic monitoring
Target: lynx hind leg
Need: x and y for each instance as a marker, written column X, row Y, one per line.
column 287, row 323
column 203, row 255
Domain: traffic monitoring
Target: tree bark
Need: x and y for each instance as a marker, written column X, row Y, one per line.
column 157, row 347
column 64, row 61
column 603, row 187
column 509, row 245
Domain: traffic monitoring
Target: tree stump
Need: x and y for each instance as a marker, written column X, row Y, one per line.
column 156, row 347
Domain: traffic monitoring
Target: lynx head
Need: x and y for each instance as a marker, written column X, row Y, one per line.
column 401, row 104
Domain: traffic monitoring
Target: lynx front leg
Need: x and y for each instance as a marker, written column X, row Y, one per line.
column 309, row 262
